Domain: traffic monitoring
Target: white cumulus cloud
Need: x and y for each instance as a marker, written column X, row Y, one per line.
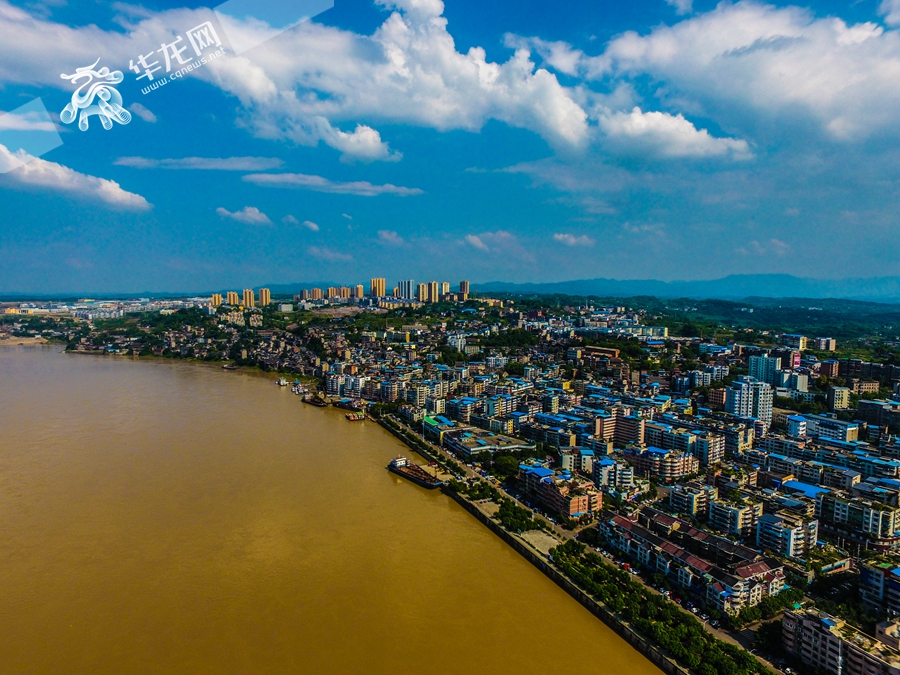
column 249, row 215
column 390, row 237
column 668, row 136
column 22, row 170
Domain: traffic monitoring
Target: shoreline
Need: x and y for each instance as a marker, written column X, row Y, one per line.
column 543, row 562
column 619, row 626
column 23, row 342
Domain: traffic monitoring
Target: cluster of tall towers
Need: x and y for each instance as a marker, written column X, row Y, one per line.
column 248, row 299
column 407, row 289
column 432, row 291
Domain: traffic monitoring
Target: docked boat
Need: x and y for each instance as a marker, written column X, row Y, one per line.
column 355, row 417
column 414, row 472
column 316, row 401
column 281, row 382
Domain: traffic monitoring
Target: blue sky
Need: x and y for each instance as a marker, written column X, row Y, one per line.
column 481, row 140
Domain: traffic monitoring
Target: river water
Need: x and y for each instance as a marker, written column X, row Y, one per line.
column 172, row 518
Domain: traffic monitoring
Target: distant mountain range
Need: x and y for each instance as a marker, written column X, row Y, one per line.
column 733, row 287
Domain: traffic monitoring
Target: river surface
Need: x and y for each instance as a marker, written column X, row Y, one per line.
column 173, row 518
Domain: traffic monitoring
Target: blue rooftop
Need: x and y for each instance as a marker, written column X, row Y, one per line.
column 807, row 489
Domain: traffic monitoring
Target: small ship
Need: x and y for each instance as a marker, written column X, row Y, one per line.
column 414, row 472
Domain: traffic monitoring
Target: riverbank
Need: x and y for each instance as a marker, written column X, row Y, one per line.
column 247, row 533
column 543, row 560
column 14, row 341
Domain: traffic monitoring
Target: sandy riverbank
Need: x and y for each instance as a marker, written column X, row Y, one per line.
column 17, row 341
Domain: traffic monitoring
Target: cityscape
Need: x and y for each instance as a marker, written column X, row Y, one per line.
column 390, row 337
column 746, row 480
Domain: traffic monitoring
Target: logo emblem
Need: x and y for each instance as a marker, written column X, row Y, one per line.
column 96, row 96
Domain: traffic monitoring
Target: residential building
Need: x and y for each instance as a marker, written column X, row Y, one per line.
column 692, row 498
column 830, row 645
column 612, row 473
column 793, row 340
column 736, row 517
column 879, row 585
column 665, row 465
column 747, row 397
column 378, row 287
column 763, row 368
column 249, row 298
column 216, row 299
column 407, row 289
column 830, row 368
column 786, row 534
column 232, row 298
column 265, row 297
column 464, row 290
column 838, row 398
column 825, row 344
column 828, row 426
column 433, row 293
column 796, row 426
column 422, row 293
column 860, row 520
column 569, row 495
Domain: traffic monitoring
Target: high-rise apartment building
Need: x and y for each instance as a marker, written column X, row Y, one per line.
column 748, row 397
column 216, row 299
column 445, row 288
column 344, row 292
column 265, row 297
column 763, row 368
column 407, row 289
column 316, row 294
column 232, row 298
column 249, row 298
column 432, row 291
column 359, row 291
column 304, row 295
column 377, row 287
column 333, row 292
column 464, row 287
column 422, row 292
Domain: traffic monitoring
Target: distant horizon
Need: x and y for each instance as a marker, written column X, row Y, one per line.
column 573, row 287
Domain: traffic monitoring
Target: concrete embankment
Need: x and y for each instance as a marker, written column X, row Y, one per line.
column 618, row 625
column 621, row 628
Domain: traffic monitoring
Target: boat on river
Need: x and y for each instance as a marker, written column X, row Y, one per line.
column 415, row 473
